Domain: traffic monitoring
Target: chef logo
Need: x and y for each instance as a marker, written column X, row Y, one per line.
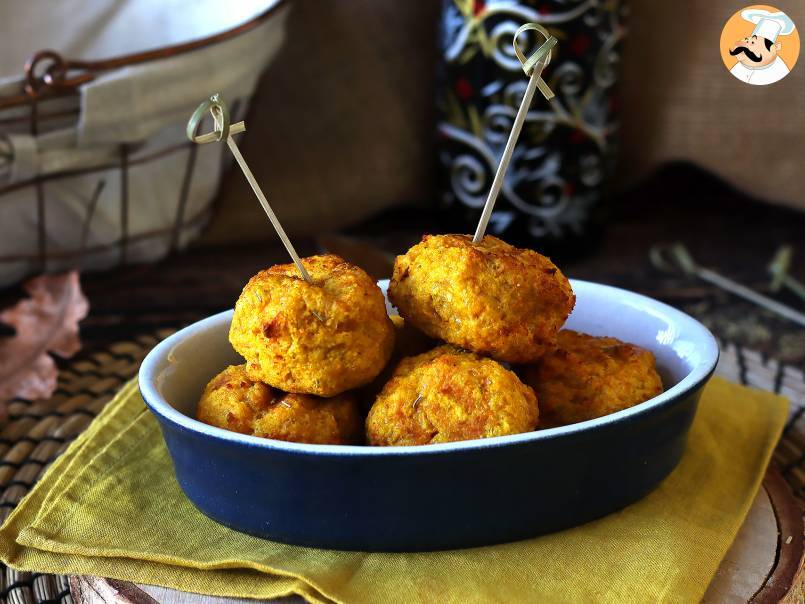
column 760, row 45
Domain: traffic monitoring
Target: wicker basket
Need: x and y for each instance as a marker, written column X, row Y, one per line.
column 95, row 169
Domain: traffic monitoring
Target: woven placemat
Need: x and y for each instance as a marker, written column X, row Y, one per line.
column 37, row 432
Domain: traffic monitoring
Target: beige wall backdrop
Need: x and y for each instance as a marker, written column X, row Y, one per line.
column 342, row 124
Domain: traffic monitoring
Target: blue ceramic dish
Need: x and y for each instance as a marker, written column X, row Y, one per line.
column 441, row 496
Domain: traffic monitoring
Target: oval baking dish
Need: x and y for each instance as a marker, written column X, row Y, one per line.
column 441, row 496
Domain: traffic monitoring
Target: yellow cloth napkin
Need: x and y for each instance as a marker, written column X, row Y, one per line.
column 111, row 506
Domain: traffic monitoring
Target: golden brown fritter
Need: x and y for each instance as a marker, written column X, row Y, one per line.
column 490, row 297
column 234, row 402
column 231, row 400
column 322, row 338
column 588, row 377
column 447, row 395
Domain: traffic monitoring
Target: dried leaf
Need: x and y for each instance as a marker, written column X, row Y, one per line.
column 46, row 322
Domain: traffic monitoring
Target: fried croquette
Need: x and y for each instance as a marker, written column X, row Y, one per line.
column 447, row 395
column 491, row 298
column 322, row 338
column 235, row 402
column 588, row 377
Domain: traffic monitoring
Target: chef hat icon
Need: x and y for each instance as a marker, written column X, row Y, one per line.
column 768, row 25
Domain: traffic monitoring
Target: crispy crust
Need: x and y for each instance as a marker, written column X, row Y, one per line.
column 235, row 402
column 323, row 338
column 588, row 377
column 448, row 395
column 491, row 298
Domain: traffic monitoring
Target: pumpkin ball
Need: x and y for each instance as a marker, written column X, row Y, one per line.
column 587, row 377
column 235, row 402
column 321, row 338
column 449, row 395
column 491, row 298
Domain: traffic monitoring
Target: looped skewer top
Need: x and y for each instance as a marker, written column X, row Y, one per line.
column 542, row 55
column 223, row 131
column 220, row 113
column 532, row 66
column 673, row 258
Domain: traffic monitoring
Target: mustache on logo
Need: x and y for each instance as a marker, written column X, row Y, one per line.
column 743, row 49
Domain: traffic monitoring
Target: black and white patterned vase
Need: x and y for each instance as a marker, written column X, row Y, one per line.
column 554, row 184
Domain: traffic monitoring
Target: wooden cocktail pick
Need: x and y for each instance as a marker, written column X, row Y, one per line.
column 676, row 258
column 532, row 67
column 780, row 275
column 223, row 131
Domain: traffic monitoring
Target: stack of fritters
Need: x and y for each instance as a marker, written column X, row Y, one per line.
column 473, row 317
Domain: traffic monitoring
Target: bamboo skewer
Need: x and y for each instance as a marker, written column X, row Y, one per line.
column 533, row 67
column 676, row 257
column 224, row 131
column 212, row 137
column 267, row 208
column 780, row 278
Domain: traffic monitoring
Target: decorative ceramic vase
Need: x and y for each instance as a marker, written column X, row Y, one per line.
column 566, row 149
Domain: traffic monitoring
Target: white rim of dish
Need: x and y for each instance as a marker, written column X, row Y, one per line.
column 160, row 407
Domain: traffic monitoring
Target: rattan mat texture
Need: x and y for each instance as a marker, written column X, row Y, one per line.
column 36, row 433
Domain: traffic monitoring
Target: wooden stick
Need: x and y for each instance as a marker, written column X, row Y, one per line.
column 535, row 65
column 220, row 114
column 503, row 166
column 751, row 295
column 671, row 258
column 267, row 208
column 212, row 137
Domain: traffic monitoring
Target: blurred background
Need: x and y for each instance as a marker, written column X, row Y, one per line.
column 371, row 122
